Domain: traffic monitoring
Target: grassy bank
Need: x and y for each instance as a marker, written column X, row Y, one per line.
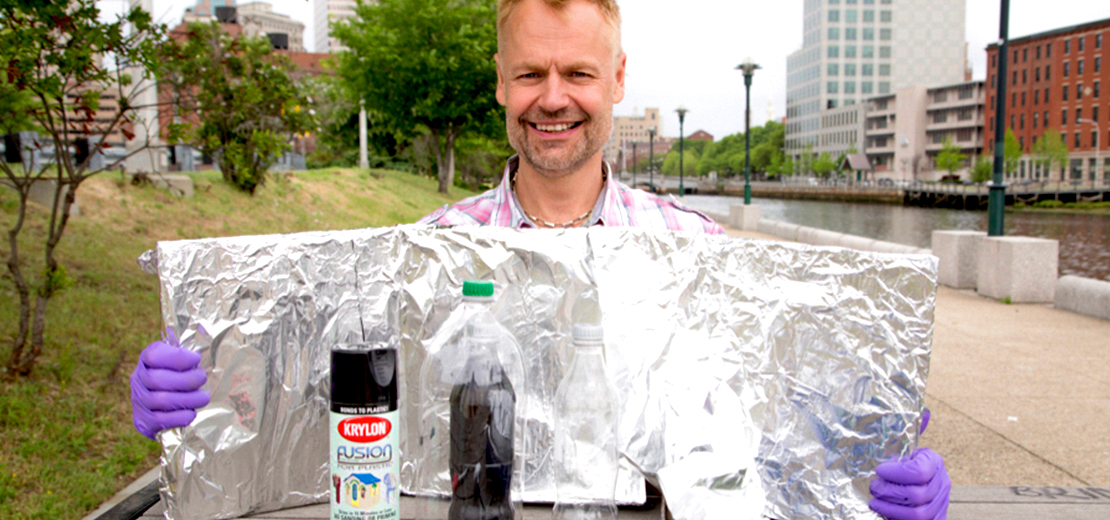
column 66, row 439
column 1055, row 206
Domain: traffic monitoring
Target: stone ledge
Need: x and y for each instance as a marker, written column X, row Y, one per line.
column 1085, row 296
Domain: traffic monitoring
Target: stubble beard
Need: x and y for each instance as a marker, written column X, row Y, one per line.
column 553, row 160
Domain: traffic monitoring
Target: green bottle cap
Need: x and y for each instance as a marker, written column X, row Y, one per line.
column 477, row 288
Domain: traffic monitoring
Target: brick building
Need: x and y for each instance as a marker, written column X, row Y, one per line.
column 1054, row 82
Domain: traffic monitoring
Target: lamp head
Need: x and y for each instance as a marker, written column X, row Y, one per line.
column 749, row 67
column 681, row 113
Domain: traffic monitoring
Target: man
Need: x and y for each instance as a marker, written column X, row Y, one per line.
column 560, row 69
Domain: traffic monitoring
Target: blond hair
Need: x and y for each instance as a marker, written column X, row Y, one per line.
column 609, row 10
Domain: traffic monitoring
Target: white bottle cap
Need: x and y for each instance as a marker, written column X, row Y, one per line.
column 588, row 335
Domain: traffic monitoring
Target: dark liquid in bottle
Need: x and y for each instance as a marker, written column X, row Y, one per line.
column 482, row 419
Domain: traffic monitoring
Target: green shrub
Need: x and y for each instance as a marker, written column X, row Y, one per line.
column 1050, row 204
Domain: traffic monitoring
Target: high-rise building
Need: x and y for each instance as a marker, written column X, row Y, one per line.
column 853, row 50
column 1054, row 84
column 325, row 14
column 627, row 129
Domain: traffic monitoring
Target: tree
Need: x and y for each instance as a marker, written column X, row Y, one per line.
column 425, row 65
column 1011, row 152
column 234, row 100
column 60, row 60
column 982, row 170
column 689, row 159
column 1051, row 150
column 823, row 165
column 950, row 158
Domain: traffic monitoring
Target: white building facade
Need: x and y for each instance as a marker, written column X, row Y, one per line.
column 854, row 50
column 325, row 14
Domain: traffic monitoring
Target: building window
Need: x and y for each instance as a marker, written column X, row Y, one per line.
column 885, row 16
column 884, row 34
column 1023, row 99
column 1025, row 55
column 849, row 87
column 1098, row 84
column 869, row 16
column 1081, row 40
column 867, row 51
column 1015, row 56
column 1046, row 123
column 1067, row 68
column 884, row 86
column 1079, row 68
column 1077, row 143
column 849, row 51
column 867, row 69
column 834, row 69
column 1048, row 51
column 849, row 33
column 1013, row 100
column 833, row 87
column 994, row 82
column 1012, row 126
column 1064, row 117
column 884, row 69
column 1038, row 52
column 850, row 16
column 834, row 15
column 1035, row 118
column 940, row 116
column 884, row 52
column 849, row 69
column 1065, row 95
column 1046, row 94
column 834, row 51
column 1098, row 41
column 1022, row 127
column 1078, row 115
column 1067, row 46
column 1024, row 77
column 1036, row 97
column 1048, row 71
column 1015, row 78
column 868, row 33
column 993, row 56
column 1098, row 64
column 865, row 87
column 834, row 33
column 1094, row 114
column 1037, row 74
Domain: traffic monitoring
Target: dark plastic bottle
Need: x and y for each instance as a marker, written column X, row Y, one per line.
column 482, row 418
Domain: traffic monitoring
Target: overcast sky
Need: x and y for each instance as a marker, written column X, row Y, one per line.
column 684, row 53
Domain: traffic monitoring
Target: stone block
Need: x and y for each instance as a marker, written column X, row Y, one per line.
column 177, row 183
column 744, row 217
column 1022, row 269
column 958, row 252
column 1085, row 296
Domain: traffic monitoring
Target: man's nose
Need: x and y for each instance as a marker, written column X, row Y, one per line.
column 554, row 97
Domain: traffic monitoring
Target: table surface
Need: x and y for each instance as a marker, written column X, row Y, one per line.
column 968, row 503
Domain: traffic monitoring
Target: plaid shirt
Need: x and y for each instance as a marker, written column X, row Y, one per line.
column 618, row 205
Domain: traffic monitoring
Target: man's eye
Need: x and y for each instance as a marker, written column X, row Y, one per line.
column 529, row 75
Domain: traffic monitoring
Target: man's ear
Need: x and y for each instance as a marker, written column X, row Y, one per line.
column 618, row 85
column 500, row 80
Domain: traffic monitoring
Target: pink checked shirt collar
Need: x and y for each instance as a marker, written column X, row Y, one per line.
column 617, row 206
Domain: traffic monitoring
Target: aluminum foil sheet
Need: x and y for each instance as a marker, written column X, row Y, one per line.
column 757, row 378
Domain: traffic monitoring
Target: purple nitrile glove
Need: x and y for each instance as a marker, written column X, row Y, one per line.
column 914, row 488
column 165, row 387
column 924, row 420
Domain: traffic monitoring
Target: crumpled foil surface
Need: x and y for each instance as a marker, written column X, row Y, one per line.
column 757, row 378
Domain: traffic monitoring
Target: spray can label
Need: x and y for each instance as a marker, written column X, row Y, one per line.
column 364, row 436
column 365, row 464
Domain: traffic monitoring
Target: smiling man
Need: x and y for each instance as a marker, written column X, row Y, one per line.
column 560, row 70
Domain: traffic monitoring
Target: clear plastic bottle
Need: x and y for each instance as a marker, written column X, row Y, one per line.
column 470, row 393
column 586, row 422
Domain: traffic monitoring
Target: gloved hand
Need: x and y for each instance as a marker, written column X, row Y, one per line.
column 915, row 488
column 165, row 387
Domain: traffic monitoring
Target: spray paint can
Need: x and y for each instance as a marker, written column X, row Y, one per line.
column 364, row 439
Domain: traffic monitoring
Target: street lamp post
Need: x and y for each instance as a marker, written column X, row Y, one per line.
column 681, row 118
column 996, row 200
column 651, row 159
column 1098, row 142
column 749, row 69
column 634, row 163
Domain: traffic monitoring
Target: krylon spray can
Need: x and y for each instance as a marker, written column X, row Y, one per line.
column 365, row 454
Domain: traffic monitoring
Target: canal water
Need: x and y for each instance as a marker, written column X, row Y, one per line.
column 1084, row 239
